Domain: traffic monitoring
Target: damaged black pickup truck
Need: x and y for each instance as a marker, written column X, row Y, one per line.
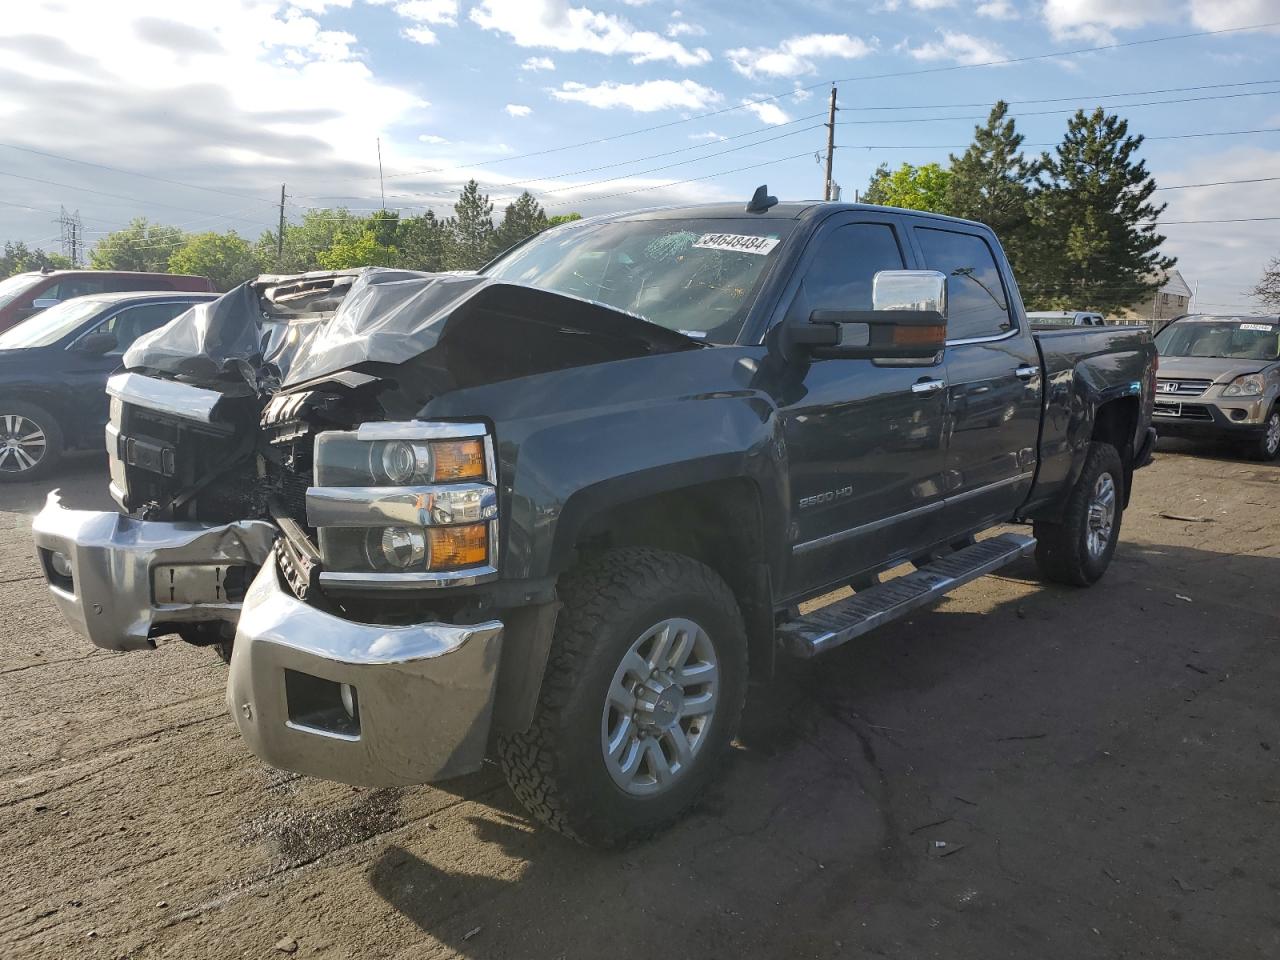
column 561, row 512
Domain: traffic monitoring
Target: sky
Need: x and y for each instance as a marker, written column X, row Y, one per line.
column 194, row 113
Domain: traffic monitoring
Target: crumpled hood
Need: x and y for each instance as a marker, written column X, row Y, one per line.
column 392, row 317
column 1217, row 369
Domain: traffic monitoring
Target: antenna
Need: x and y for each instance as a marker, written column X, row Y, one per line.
column 382, row 189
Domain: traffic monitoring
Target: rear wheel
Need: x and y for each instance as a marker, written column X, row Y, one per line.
column 642, row 693
column 1079, row 549
column 1267, row 445
column 30, row 441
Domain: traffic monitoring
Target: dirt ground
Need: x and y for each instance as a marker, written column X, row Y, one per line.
column 1021, row 772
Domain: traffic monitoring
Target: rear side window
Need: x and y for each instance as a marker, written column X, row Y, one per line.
column 977, row 303
column 848, row 258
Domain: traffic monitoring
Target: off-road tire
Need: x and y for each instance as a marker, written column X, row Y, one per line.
column 1257, row 449
column 1062, row 554
column 48, row 424
column 556, row 768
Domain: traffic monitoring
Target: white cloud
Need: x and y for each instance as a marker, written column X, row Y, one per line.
column 1224, row 14
column 645, row 97
column 538, row 63
column 518, row 109
column 796, row 55
column 423, row 35
column 429, row 11
column 555, row 25
column 1224, row 259
column 768, row 112
column 708, row 135
column 431, row 138
column 997, row 10
column 1096, row 19
column 959, row 47
column 931, row 4
column 682, row 28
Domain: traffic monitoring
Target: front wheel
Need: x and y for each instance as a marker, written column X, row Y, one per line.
column 30, row 441
column 642, row 694
column 1267, row 445
column 1078, row 550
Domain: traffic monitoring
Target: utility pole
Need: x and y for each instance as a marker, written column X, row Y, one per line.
column 72, row 233
column 382, row 189
column 280, row 232
column 831, row 143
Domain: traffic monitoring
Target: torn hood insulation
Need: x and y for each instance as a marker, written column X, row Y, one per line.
column 275, row 332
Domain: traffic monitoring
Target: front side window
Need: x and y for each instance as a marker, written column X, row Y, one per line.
column 131, row 323
column 698, row 277
column 977, row 303
column 1224, row 339
column 847, row 260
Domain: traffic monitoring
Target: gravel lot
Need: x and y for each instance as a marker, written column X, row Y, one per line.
column 1019, row 772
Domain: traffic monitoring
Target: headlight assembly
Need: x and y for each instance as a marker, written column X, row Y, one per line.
column 396, row 504
column 1249, row 385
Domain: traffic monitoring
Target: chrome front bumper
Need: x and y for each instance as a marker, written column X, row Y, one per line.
column 108, row 597
column 360, row 703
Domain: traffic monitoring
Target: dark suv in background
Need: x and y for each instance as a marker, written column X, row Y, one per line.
column 1219, row 379
column 54, row 369
column 26, row 294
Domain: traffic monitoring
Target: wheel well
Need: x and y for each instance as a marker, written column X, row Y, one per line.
column 719, row 524
column 1115, row 423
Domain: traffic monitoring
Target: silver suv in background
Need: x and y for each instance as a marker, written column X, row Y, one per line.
column 1219, row 378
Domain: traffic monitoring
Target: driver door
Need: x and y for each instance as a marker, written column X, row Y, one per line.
column 864, row 437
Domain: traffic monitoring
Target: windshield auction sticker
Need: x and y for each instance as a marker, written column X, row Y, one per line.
column 1264, row 327
column 738, row 242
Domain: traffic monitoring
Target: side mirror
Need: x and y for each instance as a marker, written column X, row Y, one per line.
column 44, row 303
column 96, row 343
column 908, row 320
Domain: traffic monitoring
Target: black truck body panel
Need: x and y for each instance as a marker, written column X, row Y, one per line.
column 843, row 468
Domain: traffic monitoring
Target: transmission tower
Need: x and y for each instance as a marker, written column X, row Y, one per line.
column 72, row 234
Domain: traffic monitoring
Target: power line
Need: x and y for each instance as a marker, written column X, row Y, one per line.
column 134, row 173
column 746, row 104
column 1168, row 223
column 1218, row 183
column 1091, row 96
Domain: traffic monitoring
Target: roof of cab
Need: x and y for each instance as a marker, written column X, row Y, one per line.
column 783, row 210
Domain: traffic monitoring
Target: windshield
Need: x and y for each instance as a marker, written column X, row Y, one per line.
column 13, row 287
column 1228, row 339
column 51, row 325
column 698, row 277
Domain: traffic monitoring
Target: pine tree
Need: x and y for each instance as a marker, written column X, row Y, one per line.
column 991, row 183
column 1096, row 242
column 424, row 242
column 521, row 219
column 473, row 231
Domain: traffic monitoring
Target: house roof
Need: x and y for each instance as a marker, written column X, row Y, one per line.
column 1175, row 285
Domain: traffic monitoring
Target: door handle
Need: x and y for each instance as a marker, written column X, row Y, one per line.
column 1026, row 372
column 928, row 386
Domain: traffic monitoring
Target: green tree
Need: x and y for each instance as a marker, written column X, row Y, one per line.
column 367, row 242
column 521, row 219
column 303, row 242
column 19, row 258
column 991, row 183
column 141, row 245
column 560, row 218
column 910, row 187
column 1097, row 247
column 473, row 233
column 225, row 258
column 424, row 242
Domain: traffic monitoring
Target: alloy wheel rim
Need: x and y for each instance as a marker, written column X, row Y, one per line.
column 1273, row 433
column 22, row 443
column 1102, row 515
column 659, row 707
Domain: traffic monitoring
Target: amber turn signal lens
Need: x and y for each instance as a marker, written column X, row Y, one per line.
column 904, row 336
column 453, row 547
column 458, row 460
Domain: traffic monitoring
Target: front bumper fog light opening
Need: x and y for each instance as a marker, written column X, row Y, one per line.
column 322, row 706
column 57, row 567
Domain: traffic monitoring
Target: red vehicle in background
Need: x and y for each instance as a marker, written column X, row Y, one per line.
column 25, row 294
